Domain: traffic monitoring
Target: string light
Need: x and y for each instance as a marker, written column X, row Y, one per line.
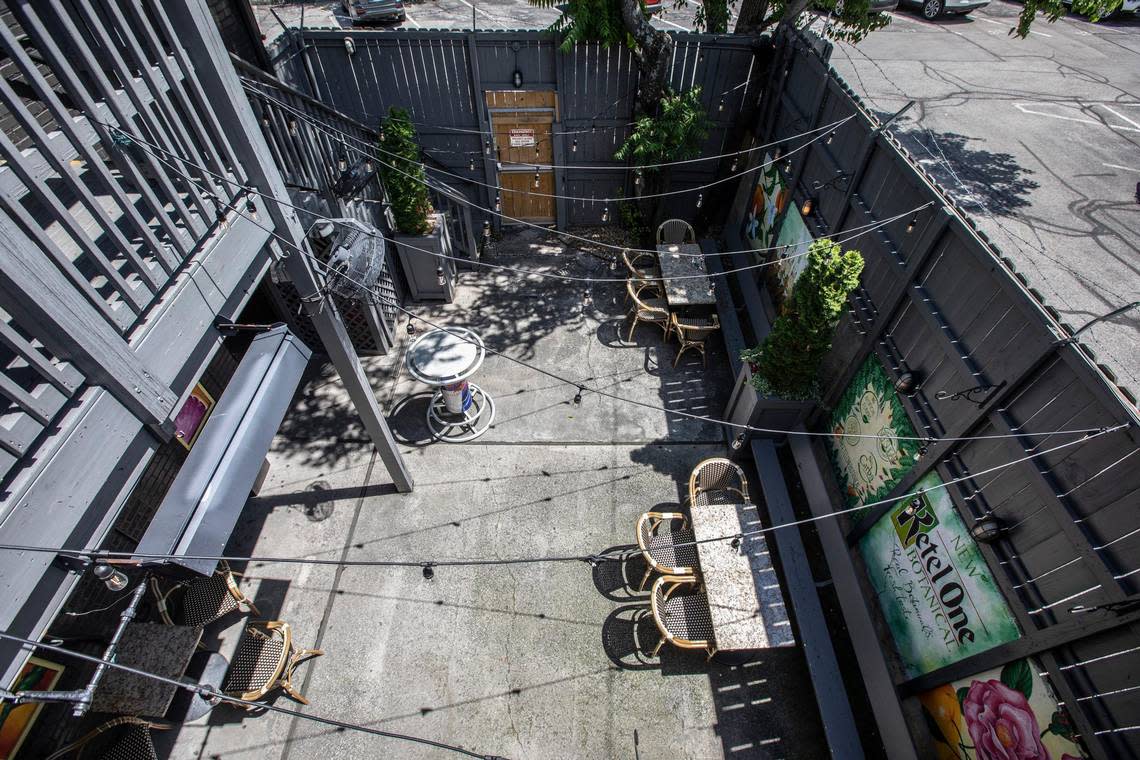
column 1088, row 432
column 368, row 166
column 471, row 165
column 574, row 146
column 498, row 203
column 700, row 199
column 578, row 396
column 440, row 276
column 292, row 127
column 606, row 214
column 720, row 106
column 637, row 178
column 613, row 264
column 251, row 207
column 487, row 146
column 830, row 135
column 411, row 328
column 910, row 225
column 536, row 180
column 486, row 230
column 342, row 164
column 732, row 168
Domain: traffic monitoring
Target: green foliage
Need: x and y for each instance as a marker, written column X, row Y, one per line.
column 677, row 132
column 1095, row 10
column 712, row 16
column 588, row 21
column 787, row 362
column 403, row 174
column 632, row 220
column 850, row 20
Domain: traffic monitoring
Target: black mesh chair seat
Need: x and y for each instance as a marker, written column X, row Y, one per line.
column 135, row 744
column 665, row 551
column 265, row 660
column 201, row 601
column 721, row 479
column 131, row 743
column 658, row 536
column 681, row 611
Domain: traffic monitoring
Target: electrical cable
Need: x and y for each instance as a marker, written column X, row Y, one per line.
column 211, row 694
column 855, row 232
column 135, row 559
column 696, row 189
column 290, row 244
column 465, row 201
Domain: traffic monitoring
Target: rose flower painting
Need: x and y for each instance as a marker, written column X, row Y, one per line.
column 1006, row 714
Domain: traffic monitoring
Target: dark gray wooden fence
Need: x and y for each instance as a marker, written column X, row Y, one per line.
column 441, row 76
column 942, row 303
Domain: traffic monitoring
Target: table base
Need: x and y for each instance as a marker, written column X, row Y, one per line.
column 471, row 424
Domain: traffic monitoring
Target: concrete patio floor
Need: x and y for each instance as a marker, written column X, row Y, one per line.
column 544, row 660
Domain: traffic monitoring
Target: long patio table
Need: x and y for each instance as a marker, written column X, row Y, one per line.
column 685, row 260
column 744, row 594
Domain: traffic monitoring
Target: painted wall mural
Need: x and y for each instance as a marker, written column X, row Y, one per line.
column 769, row 198
column 1006, row 713
column 794, row 241
column 868, row 468
column 936, row 592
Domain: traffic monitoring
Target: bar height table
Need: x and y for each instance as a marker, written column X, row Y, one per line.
column 691, row 286
column 445, row 359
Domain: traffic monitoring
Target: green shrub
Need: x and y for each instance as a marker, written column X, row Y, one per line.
column 403, row 174
column 787, row 362
column 677, row 133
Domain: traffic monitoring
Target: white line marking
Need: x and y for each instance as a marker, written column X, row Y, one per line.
column 1125, row 168
column 1009, row 26
column 477, row 9
column 1119, row 115
column 1022, row 107
column 670, row 23
column 408, row 17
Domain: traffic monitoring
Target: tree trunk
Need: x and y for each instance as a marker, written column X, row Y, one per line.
column 751, row 18
column 654, row 52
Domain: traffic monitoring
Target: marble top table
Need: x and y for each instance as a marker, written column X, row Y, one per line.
column 685, row 260
column 744, row 595
column 162, row 649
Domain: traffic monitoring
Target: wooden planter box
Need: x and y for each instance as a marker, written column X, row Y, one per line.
column 420, row 268
column 747, row 407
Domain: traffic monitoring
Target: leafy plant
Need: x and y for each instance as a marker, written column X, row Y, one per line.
column 711, row 16
column 847, row 20
column 588, row 21
column 403, row 174
column 787, row 362
column 677, row 132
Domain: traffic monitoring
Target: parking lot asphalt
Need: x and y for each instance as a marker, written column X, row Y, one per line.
column 1038, row 139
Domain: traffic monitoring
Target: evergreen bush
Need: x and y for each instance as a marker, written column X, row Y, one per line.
column 403, row 174
column 787, row 362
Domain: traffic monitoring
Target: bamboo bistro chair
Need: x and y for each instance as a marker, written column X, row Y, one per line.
column 135, row 743
column 643, row 269
column 652, row 310
column 717, row 481
column 660, row 547
column 683, row 618
column 675, row 232
column 265, row 660
column 692, row 334
column 201, row 601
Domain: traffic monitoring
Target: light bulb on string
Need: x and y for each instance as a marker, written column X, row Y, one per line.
column 637, row 178
column 471, row 164
column 910, row 225
column 720, row 106
column 593, row 128
column 381, row 134
column 830, row 135
column 606, row 213
column 735, row 163
column 341, row 164
column 440, row 276
column 578, row 396
column 700, row 199
column 251, row 207
column 536, row 180
column 486, row 230
column 498, row 203
column 411, row 328
column 574, row 146
column 368, row 166
column 487, row 146
column 613, row 264
column 292, row 127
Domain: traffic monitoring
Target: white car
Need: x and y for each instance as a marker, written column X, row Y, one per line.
column 1128, row 6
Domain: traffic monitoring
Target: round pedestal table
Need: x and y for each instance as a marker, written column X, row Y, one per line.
column 446, row 359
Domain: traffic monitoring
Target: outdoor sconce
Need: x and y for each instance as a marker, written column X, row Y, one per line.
column 517, row 79
column 907, row 383
column 987, row 529
column 808, row 206
column 116, row 580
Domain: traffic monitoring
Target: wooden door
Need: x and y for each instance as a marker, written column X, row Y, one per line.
column 523, row 125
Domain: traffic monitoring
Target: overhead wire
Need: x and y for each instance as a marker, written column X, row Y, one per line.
column 854, row 232
column 212, row 694
column 819, row 133
column 471, row 204
column 724, row 423
column 126, row 558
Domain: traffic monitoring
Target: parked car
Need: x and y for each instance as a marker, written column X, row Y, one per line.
column 932, row 9
column 363, row 11
column 653, row 6
column 1128, row 6
column 876, row 6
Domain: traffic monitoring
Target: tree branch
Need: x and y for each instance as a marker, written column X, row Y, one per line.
column 654, row 51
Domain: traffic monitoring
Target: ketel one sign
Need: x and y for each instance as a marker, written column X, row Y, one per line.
column 937, row 593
